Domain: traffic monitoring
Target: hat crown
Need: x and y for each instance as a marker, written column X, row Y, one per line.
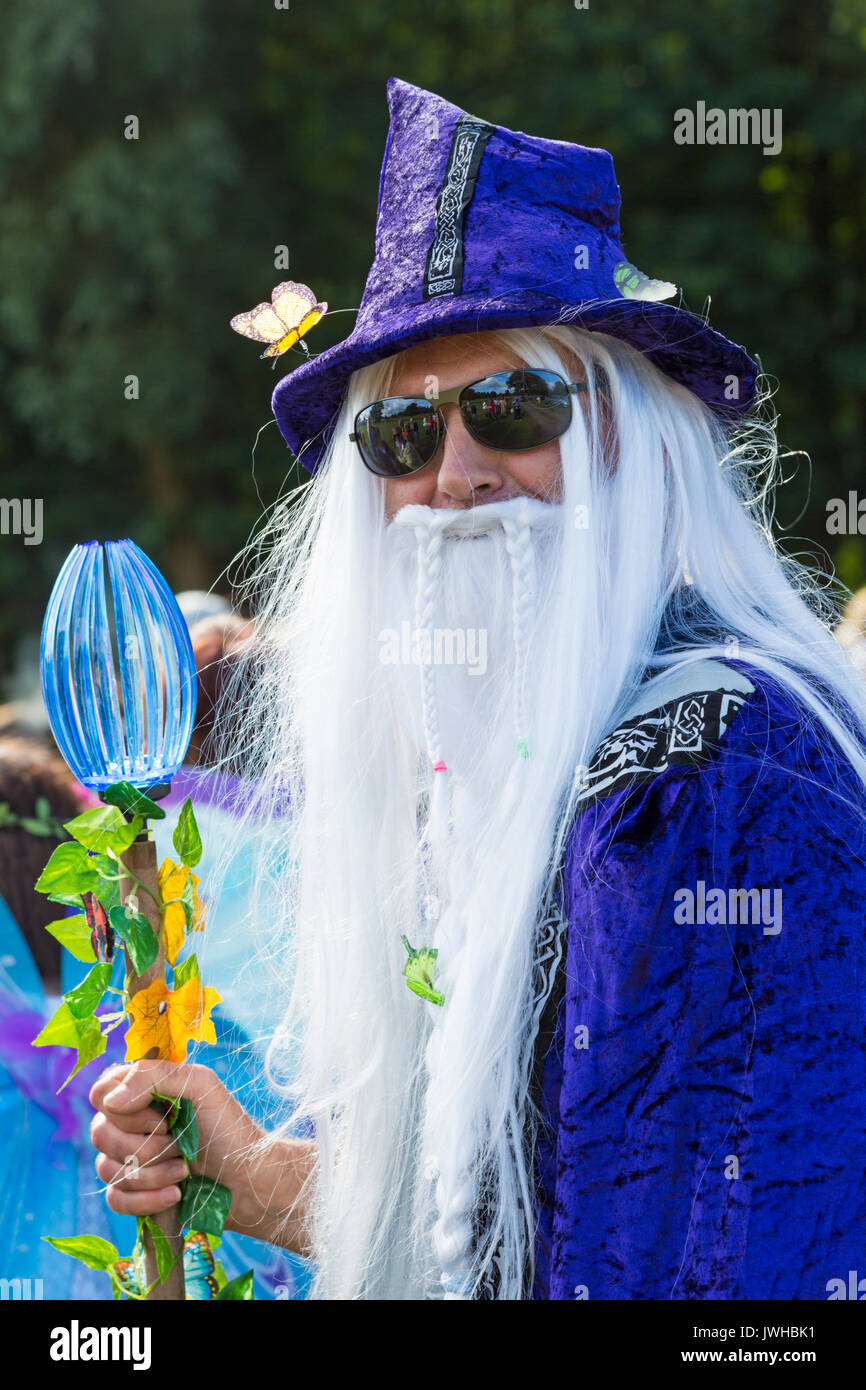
column 479, row 227
column 504, row 211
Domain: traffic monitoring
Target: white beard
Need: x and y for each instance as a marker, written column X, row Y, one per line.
column 485, row 834
column 470, row 635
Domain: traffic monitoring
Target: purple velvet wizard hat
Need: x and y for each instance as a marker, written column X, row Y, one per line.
column 479, row 227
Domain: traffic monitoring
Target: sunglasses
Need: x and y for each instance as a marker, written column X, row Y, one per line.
column 509, row 411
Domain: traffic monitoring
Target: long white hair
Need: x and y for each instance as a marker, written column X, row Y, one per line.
column 422, row 1115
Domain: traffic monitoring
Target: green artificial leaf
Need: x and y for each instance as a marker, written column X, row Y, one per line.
column 186, row 838
column 63, row 1029
column 239, row 1288
column 109, row 889
column 187, row 970
column 92, row 1251
column 205, row 1205
column 187, row 901
column 85, row 997
column 74, row 934
column 104, row 828
column 67, row 899
column 419, row 972
column 161, row 1246
column 172, row 1105
column 182, row 1124
column 184, row 1130
column 70, row 871
column 135, row 931
column 125, row 796
column 91, row 1044
column 106, row 867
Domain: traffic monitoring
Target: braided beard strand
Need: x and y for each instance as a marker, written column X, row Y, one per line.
column 475, row 577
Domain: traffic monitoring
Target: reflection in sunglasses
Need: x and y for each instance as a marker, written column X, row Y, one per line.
column 518, row 410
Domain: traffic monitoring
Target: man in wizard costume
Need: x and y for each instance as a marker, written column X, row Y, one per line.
column 576, row 771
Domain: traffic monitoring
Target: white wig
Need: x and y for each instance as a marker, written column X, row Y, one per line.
column 422, row 1113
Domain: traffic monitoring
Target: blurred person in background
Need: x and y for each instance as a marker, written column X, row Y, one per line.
column 851, row 631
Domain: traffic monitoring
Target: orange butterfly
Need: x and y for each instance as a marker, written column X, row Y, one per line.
column 292, row 312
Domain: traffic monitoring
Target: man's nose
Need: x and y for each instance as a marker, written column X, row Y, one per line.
column 465, row 467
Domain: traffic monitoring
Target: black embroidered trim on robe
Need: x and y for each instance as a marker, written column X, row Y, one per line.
column 684, row 730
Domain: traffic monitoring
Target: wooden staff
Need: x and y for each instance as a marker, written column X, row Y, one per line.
column 140, row 859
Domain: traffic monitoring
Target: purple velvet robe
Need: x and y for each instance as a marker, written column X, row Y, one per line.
column 702, row 1083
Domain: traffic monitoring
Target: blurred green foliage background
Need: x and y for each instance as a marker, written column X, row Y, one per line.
column 262, row 127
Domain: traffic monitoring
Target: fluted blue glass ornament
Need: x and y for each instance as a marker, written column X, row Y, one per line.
column 117, row 665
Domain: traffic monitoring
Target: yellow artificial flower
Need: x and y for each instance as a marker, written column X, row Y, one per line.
column 168, row 1019
column 172, row 881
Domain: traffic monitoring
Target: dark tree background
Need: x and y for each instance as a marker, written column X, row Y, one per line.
column 261, row 127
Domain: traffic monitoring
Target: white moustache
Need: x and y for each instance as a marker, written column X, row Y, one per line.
column 455, row 609
column 482, row 519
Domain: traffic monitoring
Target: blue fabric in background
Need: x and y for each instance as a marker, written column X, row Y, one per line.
column 48, row 1183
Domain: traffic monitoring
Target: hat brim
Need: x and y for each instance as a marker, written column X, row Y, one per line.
column 306, row 401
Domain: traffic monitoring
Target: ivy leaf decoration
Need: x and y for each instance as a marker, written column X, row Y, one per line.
column 104, row 828
column 187, row 970
column 182, row 1124
column 91, row 1044
column 137, row 935
column 418, row 971
column 171, row 1105
column 189, row 901
column 186, row 838
column 241, row 1287
column 92, row 1251
column 70, row 871
column 161, row 1246
column 63, row 1029
column 185, row 1130
column 205, row 1205
column 74, row 934
column 84, row 999
column 127, row 798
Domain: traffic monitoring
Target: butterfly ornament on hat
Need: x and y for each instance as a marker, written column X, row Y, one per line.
column 292, row 312
column 479, row 228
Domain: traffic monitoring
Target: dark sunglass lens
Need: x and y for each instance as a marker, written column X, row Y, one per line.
column 517, row 410
column 397, row 436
